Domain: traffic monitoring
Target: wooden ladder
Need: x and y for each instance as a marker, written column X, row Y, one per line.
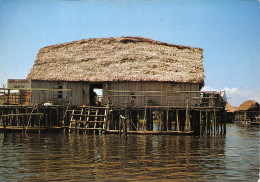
column 96, row 118
column 76, row 118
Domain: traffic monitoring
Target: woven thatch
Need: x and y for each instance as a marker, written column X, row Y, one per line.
column 248, row 105
column 230, row 108
column 119, row 59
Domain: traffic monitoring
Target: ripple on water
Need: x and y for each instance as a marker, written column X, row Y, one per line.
column 76, row 156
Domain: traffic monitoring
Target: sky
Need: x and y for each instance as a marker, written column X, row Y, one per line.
column 227, row 30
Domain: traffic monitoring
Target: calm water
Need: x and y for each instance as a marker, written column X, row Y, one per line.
column 80, row 157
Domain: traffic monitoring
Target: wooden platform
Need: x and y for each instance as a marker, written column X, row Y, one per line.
column 152, row 132
column 254, row 123
column 30, row 129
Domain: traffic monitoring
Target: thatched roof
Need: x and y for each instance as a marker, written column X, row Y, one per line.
column 248, row 105
column 230, row 108
column 119, row 59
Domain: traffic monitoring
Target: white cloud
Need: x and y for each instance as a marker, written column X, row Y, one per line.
column 237, row 96
column 253, row 95
column 234, row 96
column 206, row 88
column 232, row 90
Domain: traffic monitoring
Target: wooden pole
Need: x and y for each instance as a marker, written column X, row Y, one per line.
column 224, row 127
column 158, row 119
column 177, row 118
column 200, row 123
column 145, row 119
column 57, row 117
column 119, row 126
column 4, row 121
column 125, row 128
column 214, row 121
column 167, row 119
column 187, row 123
column 189, row 120
column 206, row 129
column 151, row 119
column 8, row 95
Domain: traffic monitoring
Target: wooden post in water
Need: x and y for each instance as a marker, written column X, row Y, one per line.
column 4, row 122
column 119, row 126
column 111, row 120
column 167, row 119
column 187, row 123
column 171, row 116
column 57, row 117
column 39, row 123
column 200, row 123
column 149, row 120
column 8, row 96
column 206, row 128
column 210, row 122
column 23, row 122
column 164, row 120
column 125, row 128
column 214, row 121
column 224, row 127
column 177, row 118
column 217, row 122
column 158, row 119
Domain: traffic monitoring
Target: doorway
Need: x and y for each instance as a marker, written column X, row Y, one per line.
column 95, row 94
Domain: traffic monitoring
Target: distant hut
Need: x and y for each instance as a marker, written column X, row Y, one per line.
column 247, row 111
column 115, row 65
column 230, row 113
column 230, row 108
column 249, row 105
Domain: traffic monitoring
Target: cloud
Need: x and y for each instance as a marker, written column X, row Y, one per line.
column 234, row 96
column 253, row 94
column 232, row 90
column 206, row 88
column 237, row 96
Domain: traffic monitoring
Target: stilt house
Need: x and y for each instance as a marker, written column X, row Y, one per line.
column 125, row 69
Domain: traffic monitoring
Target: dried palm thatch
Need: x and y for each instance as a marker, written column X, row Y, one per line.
column 119, row 59
column 230, row 108
column 248, row 105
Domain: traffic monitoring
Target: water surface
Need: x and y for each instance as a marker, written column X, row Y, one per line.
column 80, row 157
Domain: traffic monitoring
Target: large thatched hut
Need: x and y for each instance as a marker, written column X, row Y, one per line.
column 249, row 105
column 247, row 111
column 117, row 66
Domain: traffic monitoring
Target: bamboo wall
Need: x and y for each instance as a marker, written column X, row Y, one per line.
column 156, row 98
column 80, row 93
column 42, row 96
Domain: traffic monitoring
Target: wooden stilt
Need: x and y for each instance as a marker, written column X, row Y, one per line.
column 187, row 122
column 200, row 123
column 206, row 128
column 158, row 119
column 177, row 118
column 167, row 119
column 214, row 121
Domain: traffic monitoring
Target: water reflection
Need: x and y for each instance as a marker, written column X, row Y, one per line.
column 76, row 156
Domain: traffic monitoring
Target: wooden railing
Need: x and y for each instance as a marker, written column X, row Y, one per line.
column 165, row 98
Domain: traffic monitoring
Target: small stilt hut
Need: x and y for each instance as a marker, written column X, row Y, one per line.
column 248, row 111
